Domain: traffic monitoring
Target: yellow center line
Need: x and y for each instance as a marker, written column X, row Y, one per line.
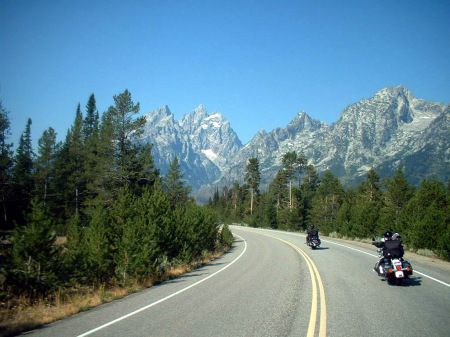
column 314, row 302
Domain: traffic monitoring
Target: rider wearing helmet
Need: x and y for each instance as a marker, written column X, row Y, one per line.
column 312, row 233
column 391, row 247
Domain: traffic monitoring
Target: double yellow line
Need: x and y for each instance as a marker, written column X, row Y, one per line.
column 316, row 280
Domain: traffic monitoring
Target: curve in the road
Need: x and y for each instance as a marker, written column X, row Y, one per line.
column 315, row 280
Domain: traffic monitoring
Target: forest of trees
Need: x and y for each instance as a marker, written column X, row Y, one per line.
column 298, row 197
column 98, row 190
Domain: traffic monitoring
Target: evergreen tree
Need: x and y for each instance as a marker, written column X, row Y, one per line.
column 344, row 221
column 23, row 174
column 91, row 153
column 75, row 258
column 253, row 178
column 396, row 197
column 90, row 122
column 96, row 248
column 125, row 130
column 237, row 203
column 308, row 189
column 142, row 169
column 327, row 202
column 174, row 185
column 293, row 166
column 270, row 212
column 103, row 185
column 70, row 177
column 45, row 164
column 279, row 190
column 365, row 216
column 6, row 163
column 427, row 218
column 35, row 258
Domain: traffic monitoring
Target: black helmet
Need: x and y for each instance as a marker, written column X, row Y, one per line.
column 387, row 234
column 312, row 226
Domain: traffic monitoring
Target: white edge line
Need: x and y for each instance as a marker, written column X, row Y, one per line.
column 167, row 297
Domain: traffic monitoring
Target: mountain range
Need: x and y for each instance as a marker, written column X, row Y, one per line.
column 390, row 130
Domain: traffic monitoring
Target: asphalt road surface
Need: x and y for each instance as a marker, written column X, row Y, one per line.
column 271, row 284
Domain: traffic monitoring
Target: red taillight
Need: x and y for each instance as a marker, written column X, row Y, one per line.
column 399, row 268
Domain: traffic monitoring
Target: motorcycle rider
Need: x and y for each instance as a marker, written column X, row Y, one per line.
column 391, row 246
column 312, row 233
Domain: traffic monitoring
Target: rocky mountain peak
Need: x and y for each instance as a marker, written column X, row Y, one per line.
column 303, row 122
column 160, row 115
column 391, row 129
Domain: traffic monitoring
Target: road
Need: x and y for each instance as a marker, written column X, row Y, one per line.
column 271, row 284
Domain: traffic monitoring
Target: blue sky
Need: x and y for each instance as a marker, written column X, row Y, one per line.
column 257, row 62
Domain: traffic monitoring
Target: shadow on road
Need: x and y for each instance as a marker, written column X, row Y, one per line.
column 411, row 282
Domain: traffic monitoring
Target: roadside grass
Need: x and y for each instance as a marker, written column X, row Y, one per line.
column 421, row 252
column 17, row 315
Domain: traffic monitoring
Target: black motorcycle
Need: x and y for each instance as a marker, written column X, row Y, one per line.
column 314, row 242
column 393, row 268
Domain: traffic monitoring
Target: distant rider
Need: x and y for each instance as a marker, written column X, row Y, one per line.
column 312, row 233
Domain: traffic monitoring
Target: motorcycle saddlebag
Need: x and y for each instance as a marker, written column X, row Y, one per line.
column 406, row 264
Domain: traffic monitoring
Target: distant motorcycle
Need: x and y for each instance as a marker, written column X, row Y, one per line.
column 314, row 242
column 393, row 269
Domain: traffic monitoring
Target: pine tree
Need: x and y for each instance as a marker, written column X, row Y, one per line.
column 174, row 184
column 308, row 189
column 279, row 190
column 366, row 212
column 344, row 221
column 35, row 258
column 90, row 122
column 293, row 165
column 70, row 177
column 327, row 202
column 6, row 163
column 125, row 129
column 427, row 217
column 92, row 157
column 96, row 247
column 23, row 174
column 253, row 178
column 396, row 197
column 45, row 164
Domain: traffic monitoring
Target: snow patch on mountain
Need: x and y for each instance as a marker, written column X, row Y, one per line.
column 210, row 154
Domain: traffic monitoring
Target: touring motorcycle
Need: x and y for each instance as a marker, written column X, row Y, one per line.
column 314, row 242
column 393, row 268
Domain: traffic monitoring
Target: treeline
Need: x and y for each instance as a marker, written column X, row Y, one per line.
column 100, row 194
column 297, row 197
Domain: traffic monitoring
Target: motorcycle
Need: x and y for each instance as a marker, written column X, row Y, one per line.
column 393, row 269
column 314, row 242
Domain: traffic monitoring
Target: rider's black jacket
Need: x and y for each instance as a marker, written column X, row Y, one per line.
column 313, row 233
